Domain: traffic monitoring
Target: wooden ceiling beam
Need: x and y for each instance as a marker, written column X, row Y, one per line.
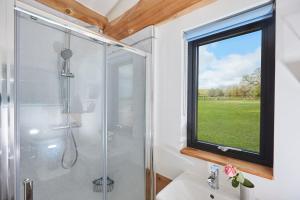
column 149, row 12
column 77, row 10
column 143, row 14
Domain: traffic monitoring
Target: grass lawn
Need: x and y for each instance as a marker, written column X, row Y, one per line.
column 233, row 123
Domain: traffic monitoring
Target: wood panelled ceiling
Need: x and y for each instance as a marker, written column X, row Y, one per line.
column 149, row 12
column 77, row 10
column 143, row 14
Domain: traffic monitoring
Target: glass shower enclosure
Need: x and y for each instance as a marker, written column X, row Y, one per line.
column 79, row 114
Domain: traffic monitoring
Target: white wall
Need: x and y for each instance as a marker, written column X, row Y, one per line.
column 170, row 96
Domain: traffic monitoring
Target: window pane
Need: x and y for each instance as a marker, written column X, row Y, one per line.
column 229, row 84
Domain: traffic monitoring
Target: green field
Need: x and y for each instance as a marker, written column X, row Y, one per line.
column 233, row 123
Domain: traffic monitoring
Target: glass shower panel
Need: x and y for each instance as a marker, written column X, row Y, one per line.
column 60, row 95
column 126, row 79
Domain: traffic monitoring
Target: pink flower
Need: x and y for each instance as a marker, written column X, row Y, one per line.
column 230, row 170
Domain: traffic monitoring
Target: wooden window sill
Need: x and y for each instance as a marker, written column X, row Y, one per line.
column 248, row 167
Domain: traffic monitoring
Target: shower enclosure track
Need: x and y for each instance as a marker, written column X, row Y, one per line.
column 39, row 14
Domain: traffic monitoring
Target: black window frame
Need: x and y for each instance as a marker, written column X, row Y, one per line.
column 265, row 155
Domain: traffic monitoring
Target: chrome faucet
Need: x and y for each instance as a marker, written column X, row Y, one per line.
column 213, row 179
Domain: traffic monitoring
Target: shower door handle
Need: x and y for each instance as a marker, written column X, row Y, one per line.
column 28, row 189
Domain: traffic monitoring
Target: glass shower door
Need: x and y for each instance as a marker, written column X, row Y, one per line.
column 60, row 98
column 126, row 86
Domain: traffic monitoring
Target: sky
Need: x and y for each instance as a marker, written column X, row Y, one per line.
column 225, row 62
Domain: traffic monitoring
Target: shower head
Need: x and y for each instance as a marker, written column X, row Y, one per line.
column 66, row 54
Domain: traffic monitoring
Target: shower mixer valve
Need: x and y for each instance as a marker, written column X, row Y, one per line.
column 67, row 74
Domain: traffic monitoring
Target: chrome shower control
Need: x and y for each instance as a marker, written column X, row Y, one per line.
column 68, row 75
column 28, row 189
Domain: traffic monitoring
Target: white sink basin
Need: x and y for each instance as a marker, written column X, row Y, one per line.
column 190, row 186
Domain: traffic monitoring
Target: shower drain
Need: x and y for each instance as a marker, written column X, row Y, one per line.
column 98, row 185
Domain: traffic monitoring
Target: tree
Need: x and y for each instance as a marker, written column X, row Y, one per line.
column 251, row 84
column 212, row 92
column 252, row 79
column 255, row 91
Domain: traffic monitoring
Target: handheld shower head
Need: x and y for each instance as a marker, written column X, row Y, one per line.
column 66, row 54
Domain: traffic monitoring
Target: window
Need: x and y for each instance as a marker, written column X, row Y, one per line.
column 231, row 92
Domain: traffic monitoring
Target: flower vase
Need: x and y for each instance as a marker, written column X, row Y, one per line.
column 246, row 193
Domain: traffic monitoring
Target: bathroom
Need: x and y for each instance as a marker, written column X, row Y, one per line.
column 98, row 99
